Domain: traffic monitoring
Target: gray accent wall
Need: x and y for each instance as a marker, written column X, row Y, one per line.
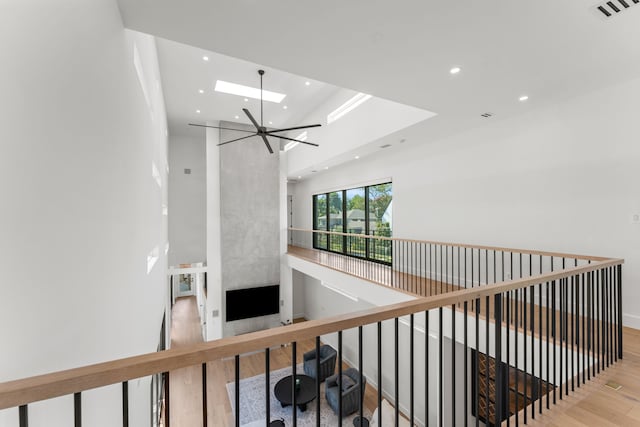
column 249, row 219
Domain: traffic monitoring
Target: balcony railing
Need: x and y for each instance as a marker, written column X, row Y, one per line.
column 515, row 333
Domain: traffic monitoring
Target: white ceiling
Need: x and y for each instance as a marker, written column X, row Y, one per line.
column 402, row 51
column 184, row 73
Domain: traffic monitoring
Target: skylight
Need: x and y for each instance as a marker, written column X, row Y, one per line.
column 248, row 92
column 348, row 106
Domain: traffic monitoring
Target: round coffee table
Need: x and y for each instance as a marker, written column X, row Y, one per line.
column 304, row 394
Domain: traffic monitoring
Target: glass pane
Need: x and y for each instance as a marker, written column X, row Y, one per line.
column 380, row 221
column 356, row 222
column 335, row 221
column 320, row 220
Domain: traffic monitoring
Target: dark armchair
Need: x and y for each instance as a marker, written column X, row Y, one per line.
column 351, row 393
column 328, row 357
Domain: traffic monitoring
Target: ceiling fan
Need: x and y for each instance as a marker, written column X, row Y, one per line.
column 261, row 130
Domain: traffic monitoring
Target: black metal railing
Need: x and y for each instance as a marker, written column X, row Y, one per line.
column 428, row 268
column 527, row 342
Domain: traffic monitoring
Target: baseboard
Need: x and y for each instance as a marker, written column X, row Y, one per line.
column 631, row 320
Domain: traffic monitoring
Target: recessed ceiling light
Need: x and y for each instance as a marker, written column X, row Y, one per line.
column 205, row 58
column 248, row 92
column 270, row 122
column 237, row 117
column 307, row 83
column 523, row 98
column 455, row 70
column 284, row 107
column 357, row 157
column 201, row 90
column 198, row 111
column 326, row 167
column 351, row 104
column 299, row 177
column 246, row 100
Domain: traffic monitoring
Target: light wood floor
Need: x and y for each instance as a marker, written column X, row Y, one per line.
column 186, row 384
column 593, row 404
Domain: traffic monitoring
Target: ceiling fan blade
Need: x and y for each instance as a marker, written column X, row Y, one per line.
column 218, row 127
column 266, row 142
column 294, row 128
column 251, row 118
column 237, row 139
column 296, row 140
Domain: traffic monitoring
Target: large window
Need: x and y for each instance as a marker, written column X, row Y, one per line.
column 363, row 210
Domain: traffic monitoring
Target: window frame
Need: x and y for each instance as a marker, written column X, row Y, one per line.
column 314, row 221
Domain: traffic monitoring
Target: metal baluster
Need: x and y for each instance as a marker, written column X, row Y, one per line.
column 77, row 409
column 582, row 322
column 317, row 382
column 547, row 303
column 360, row 369
column 619, row 283
column 267, row 382
column 23, row 414
column 499, row 384
column 573, row 337
column 339, row 379
column 167, row 413
column 125, row 404
column 440, row 370
column 411, row 371
column 453, row 365
column 426, row 369
column 379, row 374
column 395, row 369
column 204, row 395
column 476, row 359
column 508, row 321
column 466, row 350
column 516, row 310
column 487, row 317
column 532, row 301
column 237, row 367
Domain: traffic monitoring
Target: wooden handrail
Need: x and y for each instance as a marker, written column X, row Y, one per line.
column 462, row 245
column 41, row 387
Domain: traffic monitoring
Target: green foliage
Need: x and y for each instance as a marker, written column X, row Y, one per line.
column 379, row 198
column 335, row 202
column 355, row 202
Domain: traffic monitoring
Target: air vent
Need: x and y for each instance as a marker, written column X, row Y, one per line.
column 609, row 9
column 187, row 171
column 385, row 146
column 487, row 115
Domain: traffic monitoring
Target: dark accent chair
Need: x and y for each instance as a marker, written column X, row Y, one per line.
column 328, row 356
column 351, row 395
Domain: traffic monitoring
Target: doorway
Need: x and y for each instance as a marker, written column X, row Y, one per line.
column 185, row 285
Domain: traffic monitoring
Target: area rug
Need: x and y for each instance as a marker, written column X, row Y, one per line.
column 253, row 404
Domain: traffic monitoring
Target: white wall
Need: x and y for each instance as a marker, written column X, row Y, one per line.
column 299, row 307
column 81, row 210
column 560, row 178
column 188, row 201
column 214, row 269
